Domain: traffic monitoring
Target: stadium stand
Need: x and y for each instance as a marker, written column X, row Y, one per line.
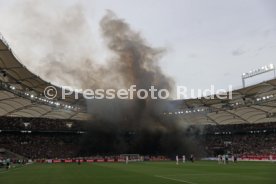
column 37, row 128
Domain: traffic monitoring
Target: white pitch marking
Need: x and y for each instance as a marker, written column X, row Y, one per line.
column 173, row 179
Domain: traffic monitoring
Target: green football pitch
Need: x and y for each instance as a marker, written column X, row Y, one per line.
column 202, row 172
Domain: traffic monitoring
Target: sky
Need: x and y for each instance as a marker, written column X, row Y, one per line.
column 207, row 42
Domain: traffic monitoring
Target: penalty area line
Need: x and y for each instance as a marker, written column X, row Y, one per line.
column 173, row 179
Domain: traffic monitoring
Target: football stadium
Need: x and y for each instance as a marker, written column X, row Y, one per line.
column 55, row 135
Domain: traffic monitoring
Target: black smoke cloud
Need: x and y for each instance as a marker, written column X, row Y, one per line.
column 137, row 126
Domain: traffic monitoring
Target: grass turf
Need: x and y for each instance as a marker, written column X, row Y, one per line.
column 202, row 172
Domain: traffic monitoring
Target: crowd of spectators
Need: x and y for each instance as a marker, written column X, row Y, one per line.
column 242, row 139
column 239, row 128
column 48, row 138
column 243, row 144
column 45, row 146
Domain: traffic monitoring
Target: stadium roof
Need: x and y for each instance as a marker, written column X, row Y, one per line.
column 253, row 104
column 21, row 92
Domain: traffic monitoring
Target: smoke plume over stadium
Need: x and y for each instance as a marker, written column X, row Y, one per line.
column 118, row 126
column 134, row 126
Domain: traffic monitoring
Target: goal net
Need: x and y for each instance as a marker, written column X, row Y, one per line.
column 131, row 157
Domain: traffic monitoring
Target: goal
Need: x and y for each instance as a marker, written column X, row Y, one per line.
column 132, row 157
